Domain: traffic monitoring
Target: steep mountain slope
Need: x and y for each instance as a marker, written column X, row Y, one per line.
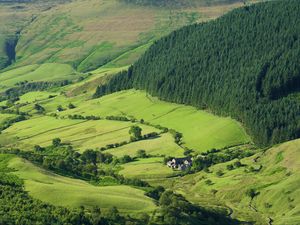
column 245, row 64
column 88, row 34
column 179, row 3
column 15, row 15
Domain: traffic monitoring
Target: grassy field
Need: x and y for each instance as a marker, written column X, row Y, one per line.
column 164, row 145
column 277, row 185
column 59, row 190
column 149, row 168
column 201, row 130
column 43, row 72
column 35, row 96
column 81, row 134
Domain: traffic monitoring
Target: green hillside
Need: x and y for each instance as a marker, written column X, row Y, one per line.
column 36, row 73
column 276, row 184
column 249, row 55
column 86, row 36
column 99, row 97
column 201, row 130
column 65, row 191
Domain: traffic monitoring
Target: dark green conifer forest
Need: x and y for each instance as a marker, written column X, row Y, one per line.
column 245, row 65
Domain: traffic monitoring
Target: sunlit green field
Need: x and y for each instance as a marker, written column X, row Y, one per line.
column 43, row 72
column 149, row 168
column 201, row 130
column 64, row 191
column 164, row 145
column 35, row 96
column 81, row 134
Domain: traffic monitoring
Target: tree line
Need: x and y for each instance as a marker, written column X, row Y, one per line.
column 244, row 65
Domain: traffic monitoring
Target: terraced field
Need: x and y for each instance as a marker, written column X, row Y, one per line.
column 69, row 192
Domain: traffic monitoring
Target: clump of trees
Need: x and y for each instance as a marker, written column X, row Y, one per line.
column 215, row 156
column 141, row 154
column 136, row 133
column 40, row 109
column 80, row 117
column 176, row 210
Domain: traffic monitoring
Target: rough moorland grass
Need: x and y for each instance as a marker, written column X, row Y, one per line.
column 90, row 35
column 201, row 130
column 80, row 133
column 278, row 186
column 59, row 190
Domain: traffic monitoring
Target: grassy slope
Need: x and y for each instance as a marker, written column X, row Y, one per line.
column 81, row 33
column 14, row 16
column 81, row 134
column 149, row 168
column 164, row 145
column 35, row 96
column 201, row 130
column 277, row 183
column 44, row 72
column 89, row 34
column 64, row 191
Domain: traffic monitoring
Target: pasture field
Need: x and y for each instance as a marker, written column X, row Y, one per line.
column 43, row 72
column 275, row 179
column 69, row 192
column 201, row 130
column 35, row 96
column 82, row 134
column 149, row 168
column 164, row 145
